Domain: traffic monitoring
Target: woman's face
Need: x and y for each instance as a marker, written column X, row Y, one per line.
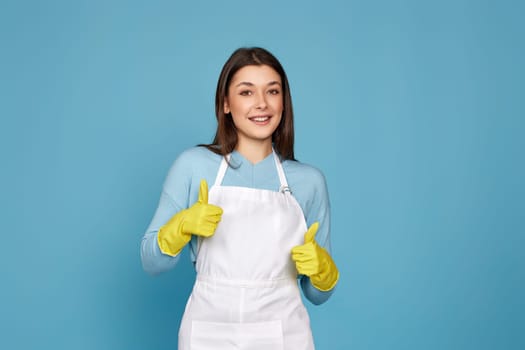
column 255, row 101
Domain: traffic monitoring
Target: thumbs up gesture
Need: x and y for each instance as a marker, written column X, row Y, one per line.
column 200, row 219
column 315, row 262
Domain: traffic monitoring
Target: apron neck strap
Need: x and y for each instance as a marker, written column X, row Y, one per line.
column 222, row 169
column 280, row 171
column 224, row 166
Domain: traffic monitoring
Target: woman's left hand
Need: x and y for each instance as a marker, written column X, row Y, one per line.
column 315, row 262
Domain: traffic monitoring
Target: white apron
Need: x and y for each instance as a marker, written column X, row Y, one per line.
column 246, row 295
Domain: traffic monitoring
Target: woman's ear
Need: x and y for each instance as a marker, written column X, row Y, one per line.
column 226, row 106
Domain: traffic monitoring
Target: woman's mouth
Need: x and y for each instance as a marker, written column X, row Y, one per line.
column 261, row 120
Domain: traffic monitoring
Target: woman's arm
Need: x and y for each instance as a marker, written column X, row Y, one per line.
column 308, row 185
column 173, row 199
column 153, row 260
column 180, row 190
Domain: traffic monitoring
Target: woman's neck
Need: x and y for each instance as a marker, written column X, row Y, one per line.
column 254, row 151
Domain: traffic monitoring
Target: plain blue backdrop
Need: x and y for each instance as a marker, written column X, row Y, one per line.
column 412, row 109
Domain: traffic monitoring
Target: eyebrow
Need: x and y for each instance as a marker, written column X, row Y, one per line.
column 247, row 83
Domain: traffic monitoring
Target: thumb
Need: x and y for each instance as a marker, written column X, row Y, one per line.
column 310, row 234
column 203, row 192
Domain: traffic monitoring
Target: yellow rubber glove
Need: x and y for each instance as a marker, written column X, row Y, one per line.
column 315, row 262
column 200, row 219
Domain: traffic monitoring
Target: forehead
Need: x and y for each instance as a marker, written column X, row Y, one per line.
column 257, row 75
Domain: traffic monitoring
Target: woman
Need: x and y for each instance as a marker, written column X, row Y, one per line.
column 248, row 236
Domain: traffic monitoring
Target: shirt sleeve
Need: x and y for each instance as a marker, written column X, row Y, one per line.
column 174, row 198
column 314, row 295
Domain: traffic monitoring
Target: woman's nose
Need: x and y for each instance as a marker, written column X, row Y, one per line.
column 260, row 103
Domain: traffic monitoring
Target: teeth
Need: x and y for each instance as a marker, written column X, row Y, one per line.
column 261, row 119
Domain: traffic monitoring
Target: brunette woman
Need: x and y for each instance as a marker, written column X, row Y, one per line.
column 264, row 224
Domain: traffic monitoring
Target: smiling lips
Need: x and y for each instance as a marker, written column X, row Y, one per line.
column 261, row 120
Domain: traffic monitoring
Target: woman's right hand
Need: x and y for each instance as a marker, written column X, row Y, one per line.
column 200, row 219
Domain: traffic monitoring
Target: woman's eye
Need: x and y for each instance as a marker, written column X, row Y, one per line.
column 245, row 93
column 274, row 92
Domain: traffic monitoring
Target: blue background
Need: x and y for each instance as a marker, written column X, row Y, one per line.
column 413, row 110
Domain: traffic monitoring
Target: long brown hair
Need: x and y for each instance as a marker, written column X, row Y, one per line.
column 225, row 138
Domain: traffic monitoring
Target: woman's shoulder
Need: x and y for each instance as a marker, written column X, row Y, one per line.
column 197, row 154
column 308, row 185
column 304, row 175
column 194, row 160
column 296, row 168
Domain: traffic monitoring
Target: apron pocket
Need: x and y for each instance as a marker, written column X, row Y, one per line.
column 244, row 336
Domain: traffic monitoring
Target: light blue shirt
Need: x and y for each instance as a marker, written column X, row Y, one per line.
column 181, row 189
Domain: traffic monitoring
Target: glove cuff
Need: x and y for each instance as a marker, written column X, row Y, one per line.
column 170, row 237
column 325, row 284
column 328, row 275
